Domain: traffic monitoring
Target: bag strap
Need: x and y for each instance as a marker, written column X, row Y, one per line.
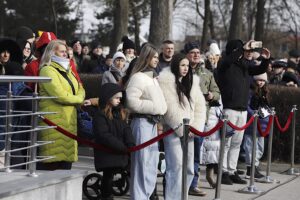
column 115, row 76
column 64, row 74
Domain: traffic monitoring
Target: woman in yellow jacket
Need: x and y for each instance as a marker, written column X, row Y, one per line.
column 69, row 93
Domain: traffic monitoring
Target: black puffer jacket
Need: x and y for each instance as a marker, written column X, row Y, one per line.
column 114, row 134
column 234, row 80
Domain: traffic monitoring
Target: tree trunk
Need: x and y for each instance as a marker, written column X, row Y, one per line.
column 54, row 16
column 260, row 20
column 136, row 20
column 160, row 25
column 205, row 24
column 120, row 23
column 2, row 18
column 212, row 25
column 235, row 29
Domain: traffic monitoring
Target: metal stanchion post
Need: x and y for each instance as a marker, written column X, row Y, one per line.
column 267, row 178
column 252, row 189
column 186, row 130
column 292, row 170
column 8, row 128
column 221, row 158
column 33, row 134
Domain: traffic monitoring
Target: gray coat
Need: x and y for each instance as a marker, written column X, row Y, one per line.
column 114, row 75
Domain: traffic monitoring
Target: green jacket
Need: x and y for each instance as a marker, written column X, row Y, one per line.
column 207, row 84
column 63, row 148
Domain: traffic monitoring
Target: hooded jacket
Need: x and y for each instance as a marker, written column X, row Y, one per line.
column 195, row 110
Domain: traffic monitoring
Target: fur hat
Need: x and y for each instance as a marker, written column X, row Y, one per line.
column 263, row 77
column 118, row 54
column 279, row 64
column 13, row 48
column 290, row 76
column 214, row 49
column 190, row 46
column 233, row 45
column 127, row 44
column 45, row 38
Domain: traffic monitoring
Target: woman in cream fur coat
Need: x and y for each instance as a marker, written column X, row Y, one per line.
column 146, row 102
column 184, row 100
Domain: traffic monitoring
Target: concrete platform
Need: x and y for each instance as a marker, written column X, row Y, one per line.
column 49, row 185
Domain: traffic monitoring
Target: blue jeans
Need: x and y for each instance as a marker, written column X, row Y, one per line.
column 197, row 146
column 247, row 145
column 173, row 156
column 143, row 172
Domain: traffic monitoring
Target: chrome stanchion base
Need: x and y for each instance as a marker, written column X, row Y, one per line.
column 267, row 179
column 33, row 175
column 250, row 190
column 293, row 171
column 7, row 170
column 217, row 199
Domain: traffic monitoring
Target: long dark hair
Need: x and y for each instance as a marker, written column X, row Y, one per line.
column 185, row 86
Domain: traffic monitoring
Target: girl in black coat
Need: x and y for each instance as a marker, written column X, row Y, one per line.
column 111, row 131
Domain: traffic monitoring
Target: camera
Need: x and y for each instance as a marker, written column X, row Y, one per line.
column 256, row 45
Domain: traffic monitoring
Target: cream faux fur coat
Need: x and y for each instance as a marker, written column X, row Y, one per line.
column 144, row 95
column 195, row 110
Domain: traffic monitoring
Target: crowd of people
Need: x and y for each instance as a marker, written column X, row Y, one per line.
column 143, row 94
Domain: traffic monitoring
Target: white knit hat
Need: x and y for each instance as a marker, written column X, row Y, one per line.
column 214, row 49
column 263, row 77
column 118, row 55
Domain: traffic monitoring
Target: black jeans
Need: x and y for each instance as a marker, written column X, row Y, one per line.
column 107, row 183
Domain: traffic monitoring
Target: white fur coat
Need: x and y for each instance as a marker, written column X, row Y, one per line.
column 194, row 110
column 144, row 95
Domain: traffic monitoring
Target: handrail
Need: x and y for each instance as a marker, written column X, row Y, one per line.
column 36, row 79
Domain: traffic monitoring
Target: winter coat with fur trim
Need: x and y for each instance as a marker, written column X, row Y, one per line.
column 144, row 96
column 195, row 110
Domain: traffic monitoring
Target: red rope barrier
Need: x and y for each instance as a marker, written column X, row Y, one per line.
column 287, row 124
column 208, row 133
column 243, row 127
column 104, row 148
column 267, row 131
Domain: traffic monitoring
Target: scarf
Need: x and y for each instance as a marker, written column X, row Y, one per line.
column 64, row 62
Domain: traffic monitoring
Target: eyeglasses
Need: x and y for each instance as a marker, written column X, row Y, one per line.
column 194, row 52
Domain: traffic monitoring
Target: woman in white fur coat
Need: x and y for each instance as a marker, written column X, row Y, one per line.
column 184, row 100
column 146, row 102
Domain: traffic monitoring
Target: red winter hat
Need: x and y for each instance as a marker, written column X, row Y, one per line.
column 45, row 38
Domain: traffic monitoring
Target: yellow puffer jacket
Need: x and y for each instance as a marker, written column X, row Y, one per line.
column 63, row 148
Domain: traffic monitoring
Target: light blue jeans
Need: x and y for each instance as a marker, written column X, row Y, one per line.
column 143, row 173
column 173, row 157
column 248, row 142
column 233, row 143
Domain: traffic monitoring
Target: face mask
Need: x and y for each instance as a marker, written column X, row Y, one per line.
column 64, row 62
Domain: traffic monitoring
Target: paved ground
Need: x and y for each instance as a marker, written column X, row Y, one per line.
column 286, row 188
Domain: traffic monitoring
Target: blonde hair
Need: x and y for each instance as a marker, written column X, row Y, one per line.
column 144, row 59
column 49, row 52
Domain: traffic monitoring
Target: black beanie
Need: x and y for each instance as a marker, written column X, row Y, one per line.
column 24, row 33
column 107, row 91
column 294, row 53
column 127, row 44
column 190, row 46
column 290, row 76
column 95, row 44
column 233, row 45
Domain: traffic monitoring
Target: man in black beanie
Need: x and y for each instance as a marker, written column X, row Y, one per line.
column 128, row 49
column 234, row 74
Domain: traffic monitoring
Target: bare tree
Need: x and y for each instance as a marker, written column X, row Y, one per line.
column 205, row 24
column 120, row 23
column 2, row 17
column 53, row 10
column 235, row 29
column 260, row 20
column 160, row 25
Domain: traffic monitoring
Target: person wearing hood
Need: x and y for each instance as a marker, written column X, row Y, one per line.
column 111, row 130
column 117, row 70
column 234, row 73
column 70, row 93
column 96, row 63
column 184, row 100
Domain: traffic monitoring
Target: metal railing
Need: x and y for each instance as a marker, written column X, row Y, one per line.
column 8, row 115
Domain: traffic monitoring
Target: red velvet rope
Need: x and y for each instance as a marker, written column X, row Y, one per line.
column 243, row 127
column 208, row 133
column 267, row 131
column 101, row 147
column 287, row 124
